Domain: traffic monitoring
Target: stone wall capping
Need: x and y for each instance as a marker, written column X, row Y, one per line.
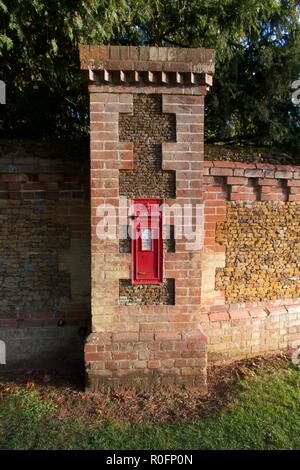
column 101, row 56
column 255, row 170
column 147, row 65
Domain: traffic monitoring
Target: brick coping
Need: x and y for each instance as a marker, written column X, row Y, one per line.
column 210, row 164
column 13, row 164
column 244, row 311
column 144, row 58
column 252, row 181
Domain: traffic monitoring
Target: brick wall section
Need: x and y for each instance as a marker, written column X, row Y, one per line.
column 244, row 332
column 166, row 341
column 244, row 328
column 45, row 259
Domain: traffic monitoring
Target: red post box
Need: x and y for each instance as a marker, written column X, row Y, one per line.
column 147, row 243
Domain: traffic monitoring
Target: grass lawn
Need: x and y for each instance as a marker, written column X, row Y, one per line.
column 261, row 410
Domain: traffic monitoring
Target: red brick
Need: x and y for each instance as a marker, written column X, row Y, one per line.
column 221, row 172
column 241, row 189
column 219, row 316
column 256, row 312
column 153, row 364
column 273, row 197
column 180, row 363
column 246, row 166
column 167, row 336
column 283, row 174
column 125, row 336
column 51, row 178
column 166, row 354
column 267, row 182
column 224, row 164
column 188, row 371
column 293, row 183
column 276, row 310
column 237, row 180
column 91, row 357
column 294, row 190
column 111, row 365
column 239, row 314
column 243, row 197
column 192, row 354
column 254, row 173
column 120, row 355
column 14, row 178
column 145, row 336
column 34, row 186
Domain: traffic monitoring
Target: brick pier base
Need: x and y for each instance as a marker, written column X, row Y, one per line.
column 144, row 361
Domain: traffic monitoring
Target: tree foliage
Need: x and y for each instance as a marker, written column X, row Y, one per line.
column 258, row 58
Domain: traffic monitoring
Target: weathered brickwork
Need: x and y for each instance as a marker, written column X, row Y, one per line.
column 45, row 261
column 147, row 128
column 262, row 241
column 238, row 333
column 44, row 347
column 146, row 360
column 31, row 238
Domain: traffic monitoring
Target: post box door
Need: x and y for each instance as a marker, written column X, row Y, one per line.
column 147, row 248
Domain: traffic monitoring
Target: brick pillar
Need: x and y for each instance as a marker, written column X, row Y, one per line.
column 147, row 128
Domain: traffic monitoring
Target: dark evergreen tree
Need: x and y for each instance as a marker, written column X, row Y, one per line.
column 258, row 59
